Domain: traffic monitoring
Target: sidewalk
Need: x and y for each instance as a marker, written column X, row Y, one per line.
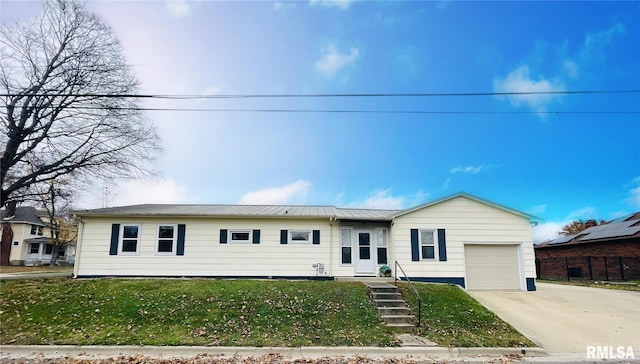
column 31, row 275
column 284, row 355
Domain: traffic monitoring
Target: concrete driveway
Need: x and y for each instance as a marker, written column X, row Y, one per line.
column 567, row 319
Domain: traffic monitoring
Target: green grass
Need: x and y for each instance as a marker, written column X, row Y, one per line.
column 622, row 287
column 188, row 312
column 450, row 317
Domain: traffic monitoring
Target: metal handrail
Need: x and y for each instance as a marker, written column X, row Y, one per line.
column 395, row 282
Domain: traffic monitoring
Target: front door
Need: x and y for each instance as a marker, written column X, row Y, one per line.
column 365, row 252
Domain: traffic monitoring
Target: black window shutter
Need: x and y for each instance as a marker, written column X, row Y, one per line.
column 415, row 247
column 283, row 236
column 256, row 236
column 223, row 236
column 316, row 236
column 115, row 232
column 180, row 248
column 442, row 245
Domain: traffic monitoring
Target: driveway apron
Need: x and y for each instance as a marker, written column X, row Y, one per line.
column 567, row 319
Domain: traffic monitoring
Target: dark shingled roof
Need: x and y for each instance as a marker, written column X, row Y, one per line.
column 24, row 214
column 627, row 227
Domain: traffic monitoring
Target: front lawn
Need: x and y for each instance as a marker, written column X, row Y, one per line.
column 231, row 313
column 450, row 317
column 623, row 286
column 188, row 312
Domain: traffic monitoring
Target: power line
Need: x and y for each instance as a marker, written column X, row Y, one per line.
column 337, row 95
column 358, row 111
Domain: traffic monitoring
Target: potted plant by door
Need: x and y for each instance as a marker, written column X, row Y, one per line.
column 385, row 271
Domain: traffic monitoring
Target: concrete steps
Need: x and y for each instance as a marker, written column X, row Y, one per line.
column 392, row 309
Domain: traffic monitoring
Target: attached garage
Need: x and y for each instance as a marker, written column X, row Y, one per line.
column 490, row 266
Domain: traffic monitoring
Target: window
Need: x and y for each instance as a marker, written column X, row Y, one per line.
column 345, row 246
column 382, row 246
column 240, row 236
column 167, row 235
column 48, row 248
column 299, row 236
column 39, row 230
column 34, row 229
column 129, row 239
column 62, row 249
column 428, row 244
column 16, row 243
column 34, row 248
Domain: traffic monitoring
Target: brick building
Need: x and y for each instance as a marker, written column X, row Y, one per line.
column 604, row 252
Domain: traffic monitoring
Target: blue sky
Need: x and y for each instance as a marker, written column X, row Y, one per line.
column 525, row 152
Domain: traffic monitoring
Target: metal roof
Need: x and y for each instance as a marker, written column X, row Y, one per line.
column 297, row 211
column 241, row 210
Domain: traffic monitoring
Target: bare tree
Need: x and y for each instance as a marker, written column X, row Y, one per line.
column 56, row 198
column 69, row 104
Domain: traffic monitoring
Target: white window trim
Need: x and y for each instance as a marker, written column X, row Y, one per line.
column 248, row 241
column 121, row 238
column 436, row 253
column 351, row 230
column 302, row 242
column 174, row 240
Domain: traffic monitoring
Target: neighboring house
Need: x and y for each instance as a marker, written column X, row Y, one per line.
column 31, row 244
column 604, row 252
column 459, row 239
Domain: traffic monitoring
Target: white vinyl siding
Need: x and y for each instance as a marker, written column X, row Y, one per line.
column 464, row 221
column 204, row 255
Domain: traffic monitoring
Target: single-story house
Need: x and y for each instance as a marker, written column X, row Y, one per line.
column 31, row 243
column 610, row 251
column 460, row 239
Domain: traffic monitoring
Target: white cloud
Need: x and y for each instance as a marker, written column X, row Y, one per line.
column 570, row 68
column 294, row 192
column 133, row 192
column 177, row 8
column 538, row 209
column 520, row 81
column 598, row 40
column 634, row 193
column 279, row 5
column 383, row 199
column 340, row 4
column 209, row 91
column 584, row 213
column 467, row 169
column 333, row 61
column 547, row 231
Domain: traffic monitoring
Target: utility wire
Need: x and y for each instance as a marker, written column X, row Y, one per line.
column 351, row 111
column 345, row 95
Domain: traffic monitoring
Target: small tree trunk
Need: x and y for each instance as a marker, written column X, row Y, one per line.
column 5, row 245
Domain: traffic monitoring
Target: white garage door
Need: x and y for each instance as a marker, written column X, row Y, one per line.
column 492, row 266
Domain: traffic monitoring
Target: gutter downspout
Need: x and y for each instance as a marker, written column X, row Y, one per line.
column 76, row 264
column 332, row 219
